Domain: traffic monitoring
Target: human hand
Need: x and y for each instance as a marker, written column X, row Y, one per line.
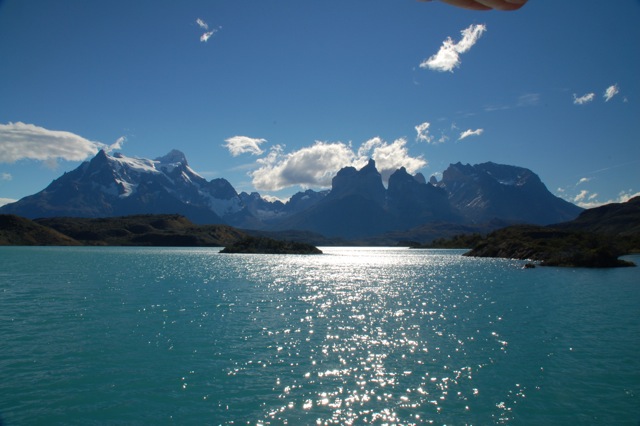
column 486, row 4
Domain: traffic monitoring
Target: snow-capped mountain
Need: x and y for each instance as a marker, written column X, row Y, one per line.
column 118, row 185
column 358, row 204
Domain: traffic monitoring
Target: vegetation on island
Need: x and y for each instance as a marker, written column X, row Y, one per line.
column 270, row 246
column 596, row 238
column 552, row 247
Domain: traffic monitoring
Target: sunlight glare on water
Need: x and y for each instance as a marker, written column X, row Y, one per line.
column 353, row 336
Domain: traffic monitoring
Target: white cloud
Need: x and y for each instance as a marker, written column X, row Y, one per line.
column 4, row 201
column 389, row 157
column 310, row 166
column 581, row 196
column 583, row 180
column 19, row 141
column 589, row 201
column 202, row 24
column 470, row 132
column 625, row 196
column 241, row 144
column 584, row 99
column 206, row 36
column 448, row 57
column 6, row 176
column 316, row 165
column 422, row 131
column 117, row 144
column 611, row 92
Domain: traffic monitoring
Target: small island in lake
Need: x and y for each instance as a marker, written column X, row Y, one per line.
column 595, row 239
column 552, row 247
column 264, row 245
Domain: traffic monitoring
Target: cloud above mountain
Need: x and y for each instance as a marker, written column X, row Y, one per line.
column 20, row 141
column 470, row 132
column 422, row 131
column 448, row 57
column 316, row 165
column 244, row 144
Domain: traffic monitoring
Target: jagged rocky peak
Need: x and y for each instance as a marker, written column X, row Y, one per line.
column 223, row 189
column 366, row 182
column 173, row 157
column 370, row 167
column 401, row 177
column 419, row 177
column 100, row 158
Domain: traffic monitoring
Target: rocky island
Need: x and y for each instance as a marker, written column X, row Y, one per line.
column 264, row 245
column 596, row 238
column 552, row 247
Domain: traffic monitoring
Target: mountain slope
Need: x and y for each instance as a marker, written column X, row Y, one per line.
column 119, row 186
column 487, row 191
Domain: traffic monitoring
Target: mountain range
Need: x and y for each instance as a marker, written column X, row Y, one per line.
column 358, row 205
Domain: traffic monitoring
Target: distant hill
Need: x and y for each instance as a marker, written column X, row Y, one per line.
column 620, row 219
column 357, row 207
column 143, row 230
column 18, row 231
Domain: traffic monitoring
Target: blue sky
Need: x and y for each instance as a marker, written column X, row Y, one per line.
column 283, row 93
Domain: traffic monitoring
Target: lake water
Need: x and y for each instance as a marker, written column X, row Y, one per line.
column 354, row 336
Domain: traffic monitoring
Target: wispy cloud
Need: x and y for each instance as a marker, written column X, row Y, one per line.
column 116, row 145
column 6, row 176
column 19, row 141
column 202, row 24
column 523, row 101
column 528, row 99
column 588, row 200
column 207, row 34
column 4, row 201
column 470, row 132
column 610, row 92
column 583, row 180
column 422, row 131
column 244, row 144
column 448, row 57
column 316, row 165
column 582, row 195
column 584, row 99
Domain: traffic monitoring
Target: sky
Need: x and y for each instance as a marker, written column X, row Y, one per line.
column 277, row 96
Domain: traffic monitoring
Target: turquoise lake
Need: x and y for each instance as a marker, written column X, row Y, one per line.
column 354, row 336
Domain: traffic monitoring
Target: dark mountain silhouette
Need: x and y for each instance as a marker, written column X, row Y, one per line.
column 488, row 191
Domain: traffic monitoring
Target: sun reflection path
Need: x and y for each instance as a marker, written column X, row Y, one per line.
column 373, row 338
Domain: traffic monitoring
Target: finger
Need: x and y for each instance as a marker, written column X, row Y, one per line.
column 467, row 4
column 502, row 4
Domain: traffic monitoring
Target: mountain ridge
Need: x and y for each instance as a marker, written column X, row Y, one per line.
column 357, row 206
